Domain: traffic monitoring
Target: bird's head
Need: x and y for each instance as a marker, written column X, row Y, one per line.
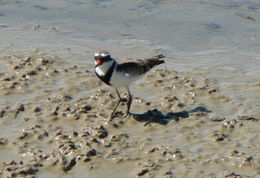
column 101, row 57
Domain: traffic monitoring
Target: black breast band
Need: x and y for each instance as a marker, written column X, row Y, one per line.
column 106, row 78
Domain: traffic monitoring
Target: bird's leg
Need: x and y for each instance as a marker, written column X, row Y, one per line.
column 129, row 102
column 118, row 102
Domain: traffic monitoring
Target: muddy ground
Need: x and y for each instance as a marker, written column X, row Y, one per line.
column 54, row 121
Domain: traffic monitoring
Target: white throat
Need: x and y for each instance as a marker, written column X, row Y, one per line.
column 102, row 69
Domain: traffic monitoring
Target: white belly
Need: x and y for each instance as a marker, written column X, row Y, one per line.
column 119, row 79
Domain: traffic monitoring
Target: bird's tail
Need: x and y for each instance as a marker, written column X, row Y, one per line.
column 156, row 57
column 154, row 61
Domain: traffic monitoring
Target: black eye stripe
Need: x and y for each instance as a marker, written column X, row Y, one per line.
column 106, row 58
column 103, row 58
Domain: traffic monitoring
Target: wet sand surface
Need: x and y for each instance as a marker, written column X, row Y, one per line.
column 195, row 116
column 55, row 122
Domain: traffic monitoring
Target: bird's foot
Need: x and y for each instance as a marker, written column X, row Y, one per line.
column 127, row 114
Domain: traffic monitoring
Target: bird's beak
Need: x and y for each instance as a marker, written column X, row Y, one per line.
column 98, row 62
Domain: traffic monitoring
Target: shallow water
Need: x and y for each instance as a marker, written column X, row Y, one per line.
column 211, row 44
column 176, row 28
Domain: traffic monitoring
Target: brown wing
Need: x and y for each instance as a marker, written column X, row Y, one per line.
column 138, row 66
column 126, row 60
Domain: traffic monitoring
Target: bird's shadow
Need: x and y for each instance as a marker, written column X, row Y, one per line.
column 155, row 116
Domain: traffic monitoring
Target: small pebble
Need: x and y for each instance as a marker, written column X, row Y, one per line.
column 92, row 152
column 168, row 172
column 212, row 91
column 87, row 159
column 70, row 165
column 142, row 172
column 248, row 118
column 2, row 113
column 217, row 119
column 181, row 105
column 37, row 109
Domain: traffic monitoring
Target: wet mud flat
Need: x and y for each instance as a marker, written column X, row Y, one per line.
column 54, row 121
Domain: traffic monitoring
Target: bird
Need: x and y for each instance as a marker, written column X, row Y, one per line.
column 122, row 72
